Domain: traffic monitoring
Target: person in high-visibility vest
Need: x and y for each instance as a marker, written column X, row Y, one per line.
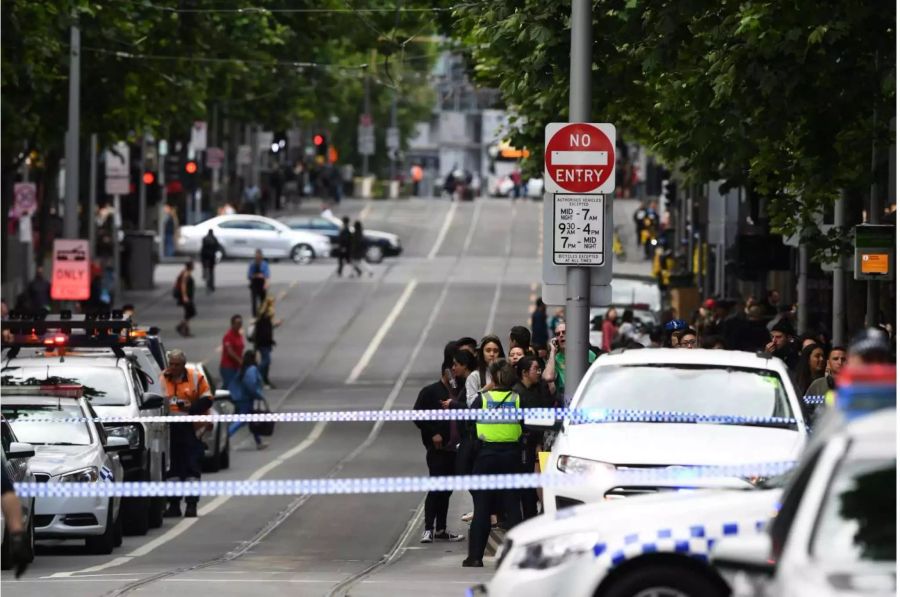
column 500, row 453
column 188, row 392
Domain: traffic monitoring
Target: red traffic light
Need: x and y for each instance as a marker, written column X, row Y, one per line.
column 190, row 167
column 318, row 139
column 149, row 178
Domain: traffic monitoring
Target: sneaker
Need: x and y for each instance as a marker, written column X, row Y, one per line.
column 445, row 536
column 467, row 517
column 190, row 511
column 427, row 537
column 262, row 446
column 173, row 511
column 472, row 563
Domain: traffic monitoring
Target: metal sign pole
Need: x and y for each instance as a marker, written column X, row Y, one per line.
column 117, row 258
column 578, row 279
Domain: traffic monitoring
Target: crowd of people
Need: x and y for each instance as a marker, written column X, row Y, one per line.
column 531, row 373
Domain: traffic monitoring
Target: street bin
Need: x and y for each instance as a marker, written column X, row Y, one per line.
column 138, row 260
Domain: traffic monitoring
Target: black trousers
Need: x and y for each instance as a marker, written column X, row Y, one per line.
column 185, row 455
column 441, row 463
column 257, row 296
column 494, row 459
column 209, row 273
column 529, row 496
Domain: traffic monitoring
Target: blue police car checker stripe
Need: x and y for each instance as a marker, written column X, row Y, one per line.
column 106, row 474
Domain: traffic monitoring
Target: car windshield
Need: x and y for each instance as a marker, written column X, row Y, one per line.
column 858, row 520
column 702, row 390
column 103, row 386
column 56, row 433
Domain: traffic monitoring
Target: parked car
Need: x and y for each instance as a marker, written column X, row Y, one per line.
column 701, row 382
column 242, row 235
column 115, row 387
column 216, row 445
column 67, row 451
column 378, row 244
column 15, row 461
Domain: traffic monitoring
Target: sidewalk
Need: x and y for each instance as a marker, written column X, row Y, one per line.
column 430, row 569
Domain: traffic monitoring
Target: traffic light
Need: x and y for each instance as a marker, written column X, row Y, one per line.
column 189, row 180
column 149, row 178
column 321, row 144
column 190, row 167
column 669, row 196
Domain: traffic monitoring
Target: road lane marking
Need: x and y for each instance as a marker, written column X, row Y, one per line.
column 495, row 303
column 472, row 226
column 375, row 343
column 365, row 211
column 207, row 509
column 448, row 220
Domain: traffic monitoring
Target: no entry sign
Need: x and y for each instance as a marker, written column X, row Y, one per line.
column 580, row 157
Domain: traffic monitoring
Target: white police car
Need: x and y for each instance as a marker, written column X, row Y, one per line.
column 836, row 530
column 752, row 392
column 652, row 545
column 68, row 452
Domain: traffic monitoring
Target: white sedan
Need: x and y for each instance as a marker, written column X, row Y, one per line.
column 242, row 235
column 715, row 383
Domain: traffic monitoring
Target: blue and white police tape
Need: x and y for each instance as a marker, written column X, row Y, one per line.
column 813, row 400
column 574, row 416
column 328, row 486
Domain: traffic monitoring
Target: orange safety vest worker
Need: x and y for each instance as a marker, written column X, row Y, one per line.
column 417, row 173
column 185, row 391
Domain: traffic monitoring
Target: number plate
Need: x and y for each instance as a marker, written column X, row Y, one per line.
column 578, row 229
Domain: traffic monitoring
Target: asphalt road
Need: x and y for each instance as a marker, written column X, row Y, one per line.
column 370, row 343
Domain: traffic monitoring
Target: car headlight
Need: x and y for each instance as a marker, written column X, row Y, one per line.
column 582, row 466
column 553, row 551
column 130, row 432
column 85, row 475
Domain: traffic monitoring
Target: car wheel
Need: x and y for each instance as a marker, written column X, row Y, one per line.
column 664, row 581
column 225, row 458
column 374, row 254
column 157, row 509
column 137, row 515
column 105, row 543
column 302, row 254
column 117, row 531
column 213, row 463
column 29, row 539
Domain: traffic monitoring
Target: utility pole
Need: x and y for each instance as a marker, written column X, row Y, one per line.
column 142, row 187
column 578, row 279
column 803, row 287
column 92, row 198
column 70, row 217
column 874, row 218
column 393, row 152
column 367, row 110
column 839, row 307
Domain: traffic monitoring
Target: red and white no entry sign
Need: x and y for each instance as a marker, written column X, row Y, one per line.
column 580, row 157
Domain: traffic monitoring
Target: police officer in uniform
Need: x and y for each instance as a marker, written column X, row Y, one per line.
column 188, row 393
column 500, row 453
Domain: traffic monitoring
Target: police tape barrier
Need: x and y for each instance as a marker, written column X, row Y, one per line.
column 574, row 416
column 327, row 486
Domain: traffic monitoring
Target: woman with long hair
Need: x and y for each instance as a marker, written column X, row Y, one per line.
column 246, row 388
column 264, row 337
column 489, row 351
column 810, row 367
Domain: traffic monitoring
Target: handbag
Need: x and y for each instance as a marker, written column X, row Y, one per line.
column 264, row 428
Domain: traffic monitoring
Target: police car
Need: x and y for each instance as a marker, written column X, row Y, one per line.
column 766, row 422
column 68, row 451
column 836, row 529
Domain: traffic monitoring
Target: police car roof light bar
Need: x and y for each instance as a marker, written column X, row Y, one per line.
column 51, row 390
column 41, row 324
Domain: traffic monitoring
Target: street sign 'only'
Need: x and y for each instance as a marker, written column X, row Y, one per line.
column 580, row 157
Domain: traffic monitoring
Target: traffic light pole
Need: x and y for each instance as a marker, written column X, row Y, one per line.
column 117, row 258
column 367, row 100
column 70, row 217
column 142, row 187
column 578, row 279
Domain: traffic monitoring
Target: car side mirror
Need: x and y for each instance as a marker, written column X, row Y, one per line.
column 152, row 401
column 115, row 443
column 20, row 450
column 745, row 563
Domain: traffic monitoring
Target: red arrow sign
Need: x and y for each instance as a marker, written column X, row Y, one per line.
column 580, row 157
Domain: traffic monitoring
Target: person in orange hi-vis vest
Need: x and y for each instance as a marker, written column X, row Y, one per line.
column 188, row 392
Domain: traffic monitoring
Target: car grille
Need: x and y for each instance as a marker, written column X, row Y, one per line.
column 42, row 520
column 624, row 492
column 80, row 520
column 41, row 477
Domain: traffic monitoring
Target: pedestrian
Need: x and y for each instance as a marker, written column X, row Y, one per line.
column 782, row 342
column 688, row 338
column 344, row 245
column 188, row 393
column 170, row 229
column 533, row 393
column 610, row 328
column 489, row 351
column 209, row 253
column 555, row 370
column 837, row 358
column 500, row 453
column 639, row 214
column 246, row 388
column 184, row 293
column 772, row 303
column 469, row 344
column 713, row 342
column 627, row 330
column 456, row 389
column 539, row 335
column 264, row 338
column 39, row 291
column 810, row 367
column 558, row 317
column 516, row 353
column 7, row 335
column 358, row 248
column 232, row 350
column 520, row 336
column 416, row 173
column 440, row 439
column 258, row 275
column 15, row 543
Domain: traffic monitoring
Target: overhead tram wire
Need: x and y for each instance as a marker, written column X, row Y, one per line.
column 220, row 60
column 263, row 9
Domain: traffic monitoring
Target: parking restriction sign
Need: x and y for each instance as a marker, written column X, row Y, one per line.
column 578, row 229
column 71, row 279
